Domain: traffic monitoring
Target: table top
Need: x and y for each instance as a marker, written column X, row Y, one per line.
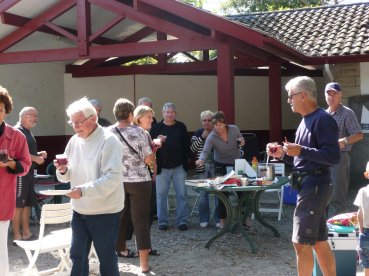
column 201, row 184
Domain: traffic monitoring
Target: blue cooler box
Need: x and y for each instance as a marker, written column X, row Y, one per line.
column 289, row 195
column 344, row 249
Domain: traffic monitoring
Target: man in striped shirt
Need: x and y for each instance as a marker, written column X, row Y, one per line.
column 350, row 132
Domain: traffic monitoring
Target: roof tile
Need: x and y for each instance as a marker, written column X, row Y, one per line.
column 322, row 31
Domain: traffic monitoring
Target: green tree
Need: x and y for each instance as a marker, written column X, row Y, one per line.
column 247, row 6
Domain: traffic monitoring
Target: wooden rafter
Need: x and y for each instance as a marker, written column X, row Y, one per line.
column 33, row 25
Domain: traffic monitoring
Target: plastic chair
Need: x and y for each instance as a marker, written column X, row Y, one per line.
column 195, row 207
column 279, row 170
column 59, row 240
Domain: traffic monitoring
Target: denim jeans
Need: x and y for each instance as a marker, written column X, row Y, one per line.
column 176, row 175
column 102, row 230
column 204, row 209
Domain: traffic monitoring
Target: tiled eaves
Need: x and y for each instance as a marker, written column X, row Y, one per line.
column 338, row 30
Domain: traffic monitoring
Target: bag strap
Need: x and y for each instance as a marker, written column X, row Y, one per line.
column 131, row 148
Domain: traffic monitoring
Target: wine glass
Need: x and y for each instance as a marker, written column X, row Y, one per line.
column 273, row 147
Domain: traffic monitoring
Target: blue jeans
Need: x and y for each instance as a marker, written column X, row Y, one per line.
column 102, row 230
column 363, row 248
column 204, row 209
column 176, row 175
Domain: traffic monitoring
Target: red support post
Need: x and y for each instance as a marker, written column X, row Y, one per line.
column 225, row 68
column 83, row 26
column 275, row 102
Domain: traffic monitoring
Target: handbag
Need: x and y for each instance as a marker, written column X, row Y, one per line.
column 131, row 148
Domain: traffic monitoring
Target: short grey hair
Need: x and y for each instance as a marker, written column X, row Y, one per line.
column 144, row 100
column 169, row 105
column 303, row 83
column 95, row 103
column 82, row 105
column 206, row 113
column 25, row 110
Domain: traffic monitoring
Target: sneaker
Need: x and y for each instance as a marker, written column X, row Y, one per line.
column 182, row 227
column 163, row 227
column 203, row 224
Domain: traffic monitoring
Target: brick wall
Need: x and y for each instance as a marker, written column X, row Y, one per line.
column 348, row 76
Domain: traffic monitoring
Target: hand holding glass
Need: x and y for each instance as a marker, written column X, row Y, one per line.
column 4, row 155
column 273, row 147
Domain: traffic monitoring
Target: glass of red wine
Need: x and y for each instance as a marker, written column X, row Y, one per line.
column 3, row 155
column 273, row 147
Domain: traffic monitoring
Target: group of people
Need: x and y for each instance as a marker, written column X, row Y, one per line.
column 111, row 171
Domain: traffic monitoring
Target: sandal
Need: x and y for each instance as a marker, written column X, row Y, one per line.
column 154, row 252
column 130, row 254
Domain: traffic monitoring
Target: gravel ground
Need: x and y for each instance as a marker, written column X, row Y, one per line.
column 183, row 253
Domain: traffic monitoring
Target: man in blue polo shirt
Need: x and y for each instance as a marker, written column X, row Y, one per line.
column 314, row 151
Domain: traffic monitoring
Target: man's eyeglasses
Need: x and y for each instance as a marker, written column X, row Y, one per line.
column 207, row 120
column 291, row 96
column 33, row 115
column 78, row 123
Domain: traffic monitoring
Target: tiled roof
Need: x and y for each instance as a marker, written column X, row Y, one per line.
column 338, row 30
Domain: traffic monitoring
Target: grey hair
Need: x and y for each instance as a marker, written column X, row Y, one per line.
column 206, row 113
column 95, row 103
column 144, row 100
column 25, row 110
column 300, row 84
column 82, row 105
column 169, row 105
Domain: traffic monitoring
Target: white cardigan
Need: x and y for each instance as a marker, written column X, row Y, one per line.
column 95, row 165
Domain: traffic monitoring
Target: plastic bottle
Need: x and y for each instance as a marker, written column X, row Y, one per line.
column 254, row 163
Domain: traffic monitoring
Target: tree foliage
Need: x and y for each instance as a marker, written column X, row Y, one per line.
column 247, row 6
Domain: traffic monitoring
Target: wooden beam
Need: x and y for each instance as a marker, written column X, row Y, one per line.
column 148, row 20
column 275, row 102
column 225, row 66
column 7, row 4
column 106, row 28
column 20, row 21
column 83, row 26
column 35, row 23
column 61, row 31
column 107, row 51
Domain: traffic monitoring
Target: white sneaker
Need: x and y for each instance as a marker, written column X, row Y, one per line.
column 203, row 224
column 217, row 225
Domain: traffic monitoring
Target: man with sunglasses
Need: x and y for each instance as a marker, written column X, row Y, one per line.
column 350, row 132
column 314, row 151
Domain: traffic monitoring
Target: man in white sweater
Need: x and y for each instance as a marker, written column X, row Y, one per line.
column 94, row 170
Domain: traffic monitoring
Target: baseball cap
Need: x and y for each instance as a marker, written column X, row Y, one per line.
column 332, row 86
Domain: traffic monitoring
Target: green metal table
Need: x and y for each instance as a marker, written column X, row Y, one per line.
column 239, row 210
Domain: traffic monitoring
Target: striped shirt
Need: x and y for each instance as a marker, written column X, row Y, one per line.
column 197, row 144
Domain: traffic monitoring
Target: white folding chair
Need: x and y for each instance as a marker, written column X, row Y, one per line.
column 279, row 170
column 195, row 207
column 59, row 240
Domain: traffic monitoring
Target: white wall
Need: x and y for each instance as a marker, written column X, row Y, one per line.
column 40, row 85
column 45, row 86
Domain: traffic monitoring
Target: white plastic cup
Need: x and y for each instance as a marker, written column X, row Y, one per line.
column 367, row 167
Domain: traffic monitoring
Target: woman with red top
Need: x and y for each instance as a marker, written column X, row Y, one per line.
column 14, row 161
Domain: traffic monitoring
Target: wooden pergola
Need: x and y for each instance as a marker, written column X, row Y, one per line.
column 104, row 35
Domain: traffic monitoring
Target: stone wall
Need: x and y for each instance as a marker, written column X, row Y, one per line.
column 348, row 76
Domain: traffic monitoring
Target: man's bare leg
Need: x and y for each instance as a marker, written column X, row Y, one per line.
column 325, row 258
column 304, row 259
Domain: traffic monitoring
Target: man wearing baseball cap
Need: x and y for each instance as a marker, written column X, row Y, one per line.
column 349, row 133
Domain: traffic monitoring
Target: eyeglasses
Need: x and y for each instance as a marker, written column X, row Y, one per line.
column 33, row 115
column 78, row 123
column 207, row 120
column 291, row 96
